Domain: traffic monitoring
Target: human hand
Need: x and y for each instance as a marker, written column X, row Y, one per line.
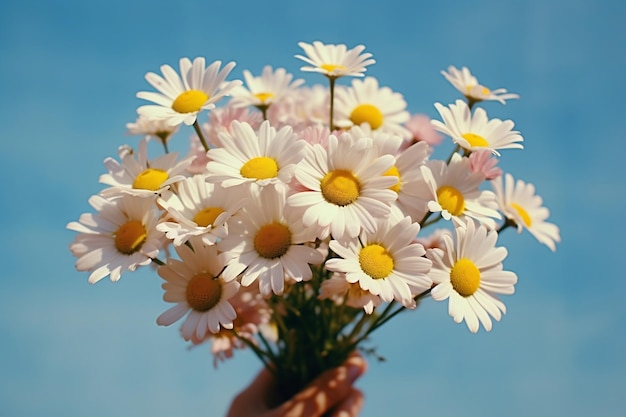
column 331, row 392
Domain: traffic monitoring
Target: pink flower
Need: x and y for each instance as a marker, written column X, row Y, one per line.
column 482, row 161
column 422, row 130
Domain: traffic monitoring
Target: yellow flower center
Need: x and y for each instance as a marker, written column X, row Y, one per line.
column 484, row 89
column 367, row 113
column 475, row 140
column 207, row 216
column 150, row 179
column 465, row 277
column 272, row 240
column 263, row 97
column 340, row 187
column 332, row 67
column 130, row 236
column 393, row 172
column 203, row 292
column 523, row 214
column 451, row 199
column 376, row 261
column 260, row 168
column 190, row 101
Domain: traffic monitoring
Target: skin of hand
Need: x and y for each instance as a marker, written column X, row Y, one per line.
column 331, row 392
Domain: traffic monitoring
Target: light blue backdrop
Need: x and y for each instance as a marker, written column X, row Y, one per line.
column 69, row 71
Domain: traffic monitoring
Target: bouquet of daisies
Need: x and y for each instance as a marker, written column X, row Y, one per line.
column 298, row 222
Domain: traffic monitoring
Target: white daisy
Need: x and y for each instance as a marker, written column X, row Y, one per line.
column 524, row 208
column 388, row 263
column 345, row 189
column 266, row 243
column 195, row 285
column 338, row 289
column 467, row 272
column 120, row 237
column 246, row 157
column 262, row 91
column 335, row 61
column 475, row 131
column 200, row 209
column 453, row 191
column 153, row 128
column 468, row 85
column 182, row 97
column 139, row 176
column 366, row 102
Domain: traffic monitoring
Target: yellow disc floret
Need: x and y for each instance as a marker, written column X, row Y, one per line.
column 259, row 168
column 367, row 113
column 475, row 140
column 203, row 292
column 207, row 216
column 393, row 172
column 272, row 240
column 523, row 214
column 332, row 67
column 190, row 101
column 130, row 236
column 340, row 187
column 150, row 179
column 451, row 199
column 263, row 97
column 376, row 261
column 465, row 277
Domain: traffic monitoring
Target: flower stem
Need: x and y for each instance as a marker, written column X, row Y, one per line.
column 198, row 130
column 332, row 103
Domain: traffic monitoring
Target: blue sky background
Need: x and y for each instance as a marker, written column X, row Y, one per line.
column 68, row 76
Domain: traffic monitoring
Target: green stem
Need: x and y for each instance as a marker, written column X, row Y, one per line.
column 198, row 130
column 158, row 261
column 508, row 223
column 332, row 103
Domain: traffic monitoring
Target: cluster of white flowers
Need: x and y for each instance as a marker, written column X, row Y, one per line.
column 287, row 183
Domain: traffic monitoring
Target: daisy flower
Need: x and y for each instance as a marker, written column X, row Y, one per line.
column 338, row 289
column 120, row 237
column 387, row 263
column 345, row 187
column 468, row 85
column 521, row 205
column 335, row 61
column 422, row 130
column 195, row 285
column 182, row 96
column 200, row 209
column 453, row 191
column 153, row 128
column 468, row 273
column 484, row 162
column 366, row 102
column 247, row 157
column 475, row 131
column 266, row 244
column 139, row 176
column 262, row 91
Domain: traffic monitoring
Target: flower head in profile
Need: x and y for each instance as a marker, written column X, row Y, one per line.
column 269, row 244
column 387, row 263
column 379, row 107
column 137, row 175
column 262, row 91
column 182, row 96
column 121, row 236
column 468, row 85
column 467, row 271
column 335, row 61
column 153, row 128
column 520, row 204
column 344, row 189
column 474, row 131
column 195, row 285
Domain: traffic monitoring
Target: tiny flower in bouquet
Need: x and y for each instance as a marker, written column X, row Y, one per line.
column 520, row 204
column 182, row 96
column 484, row 162
column 468, row 85
column 195, row 285
column 468, row 273
column 335, row 61
column 139, row 176
column 119, row 238
column 366, row 102
column 153, row 128
column 474, row 131
column 422, row 130
column 199, row 209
